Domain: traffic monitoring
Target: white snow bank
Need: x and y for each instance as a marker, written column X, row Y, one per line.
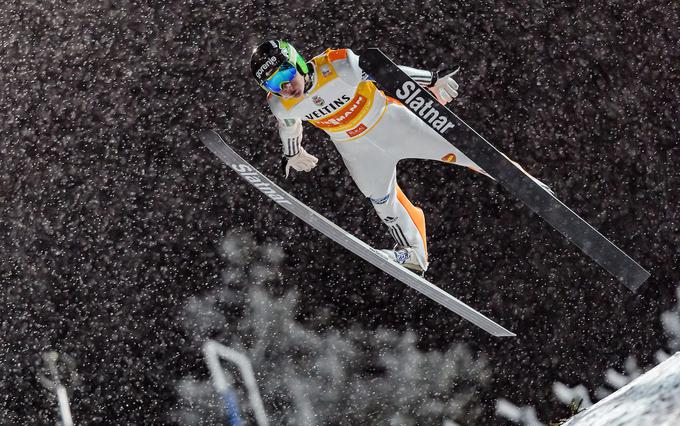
column 651, row 399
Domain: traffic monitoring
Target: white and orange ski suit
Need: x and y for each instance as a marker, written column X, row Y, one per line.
column 372, row 132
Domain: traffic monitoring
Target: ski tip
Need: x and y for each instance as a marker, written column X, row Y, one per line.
column 370, row 52
column 207, row 134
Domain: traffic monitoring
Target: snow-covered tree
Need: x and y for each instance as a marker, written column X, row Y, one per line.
column 305, row 377
column 526, row 415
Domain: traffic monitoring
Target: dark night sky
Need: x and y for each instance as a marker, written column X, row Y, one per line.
column 111, row 210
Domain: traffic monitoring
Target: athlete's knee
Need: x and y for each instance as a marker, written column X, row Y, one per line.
column 379, row 202
column 384, row 206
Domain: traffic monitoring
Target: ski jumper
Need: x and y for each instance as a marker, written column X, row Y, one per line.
column 372, row 132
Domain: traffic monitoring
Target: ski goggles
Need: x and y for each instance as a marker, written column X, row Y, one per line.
column 284, row 74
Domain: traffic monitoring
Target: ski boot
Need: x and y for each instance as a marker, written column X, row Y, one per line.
column 407, row 257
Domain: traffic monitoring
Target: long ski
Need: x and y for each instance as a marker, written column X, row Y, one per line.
column 219, row 147
column 419, row 100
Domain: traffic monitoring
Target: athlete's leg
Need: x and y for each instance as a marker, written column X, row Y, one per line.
column 374, row 172
column 405, row 222
column 418, row 140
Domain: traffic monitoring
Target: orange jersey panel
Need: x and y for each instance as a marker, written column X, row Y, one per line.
column 335, row 55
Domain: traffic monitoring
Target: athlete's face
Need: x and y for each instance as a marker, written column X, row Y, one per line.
column 295, row 88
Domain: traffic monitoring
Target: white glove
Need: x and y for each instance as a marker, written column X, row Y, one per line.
column 445, row 88
column 302, row 161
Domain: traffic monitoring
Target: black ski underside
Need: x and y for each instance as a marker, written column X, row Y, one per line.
column 395, row 82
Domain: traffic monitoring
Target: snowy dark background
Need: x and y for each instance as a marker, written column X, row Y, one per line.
column 114, row 218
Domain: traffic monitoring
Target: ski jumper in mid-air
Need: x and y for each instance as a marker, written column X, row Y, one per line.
column 370, row 130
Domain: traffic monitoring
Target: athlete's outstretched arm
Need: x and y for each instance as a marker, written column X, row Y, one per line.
column 290, row 131
column 440, row 83
column 423, row 77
